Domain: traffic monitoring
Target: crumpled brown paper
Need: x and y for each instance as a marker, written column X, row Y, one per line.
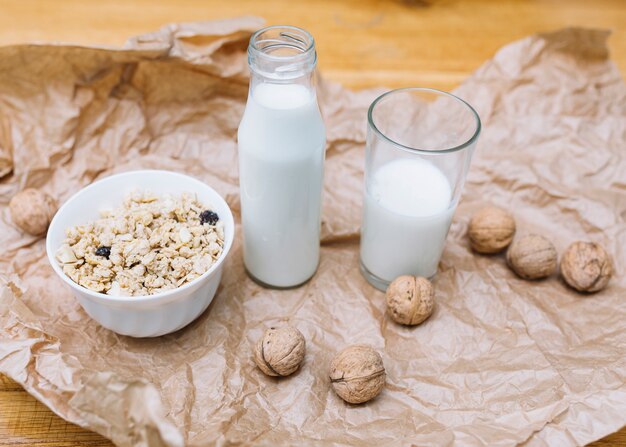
column 501, row 362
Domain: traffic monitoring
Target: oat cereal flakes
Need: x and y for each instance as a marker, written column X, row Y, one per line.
column 149, row 245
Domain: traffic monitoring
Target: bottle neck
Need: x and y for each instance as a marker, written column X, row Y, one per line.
column 306, row 80
column 282, row 55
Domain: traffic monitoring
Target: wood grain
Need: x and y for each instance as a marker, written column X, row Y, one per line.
column 361, row 43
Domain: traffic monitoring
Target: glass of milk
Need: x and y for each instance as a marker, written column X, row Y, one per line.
column 419, row 147
column 281, row 156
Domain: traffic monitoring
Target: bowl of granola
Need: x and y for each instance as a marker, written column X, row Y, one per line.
column 142, row 251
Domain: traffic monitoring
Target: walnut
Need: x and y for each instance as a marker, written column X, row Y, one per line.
column 586, row 266
column 32, row 211
column 410, row 300
column 532, row 257
column 357, row 374
column 491, row 230
column 280, row 351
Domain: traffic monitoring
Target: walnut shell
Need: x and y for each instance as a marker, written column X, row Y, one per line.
column 32, row 211
column 532, row 257
column 491, row 230
column 357, row 374
column 586, row 267
column 410, row 300
column 280, row 351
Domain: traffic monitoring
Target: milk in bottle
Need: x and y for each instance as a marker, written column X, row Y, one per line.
column 281, row 153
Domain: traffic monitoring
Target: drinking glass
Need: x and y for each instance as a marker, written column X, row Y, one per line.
column 420, row 143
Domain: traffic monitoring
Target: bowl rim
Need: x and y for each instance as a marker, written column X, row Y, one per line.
column 161, row 296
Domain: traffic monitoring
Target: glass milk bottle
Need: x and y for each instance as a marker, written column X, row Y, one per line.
column 281, row 155
column 419, row 146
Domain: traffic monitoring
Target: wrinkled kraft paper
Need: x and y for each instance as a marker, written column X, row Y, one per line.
column 501, row 362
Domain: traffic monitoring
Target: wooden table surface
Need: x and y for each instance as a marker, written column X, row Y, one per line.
column 360, row 43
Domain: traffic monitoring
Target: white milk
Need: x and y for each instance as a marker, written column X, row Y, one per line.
column 407, row 214
column 281, row 155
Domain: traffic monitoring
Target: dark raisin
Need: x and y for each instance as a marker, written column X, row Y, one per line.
column 209, row 217
column 104, row 251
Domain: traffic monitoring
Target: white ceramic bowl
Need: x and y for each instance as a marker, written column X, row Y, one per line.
column 142, row 316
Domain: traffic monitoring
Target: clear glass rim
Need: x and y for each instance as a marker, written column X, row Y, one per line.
column 304, row 54
column 401, row 146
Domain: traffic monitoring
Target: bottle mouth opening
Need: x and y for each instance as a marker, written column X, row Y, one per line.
column 282, row 52
column 282, row 42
